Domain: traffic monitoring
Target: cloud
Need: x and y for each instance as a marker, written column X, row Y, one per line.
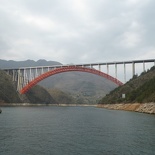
column 72, row 31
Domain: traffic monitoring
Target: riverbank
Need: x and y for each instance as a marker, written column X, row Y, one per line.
column 137, row 107
column 31, row 104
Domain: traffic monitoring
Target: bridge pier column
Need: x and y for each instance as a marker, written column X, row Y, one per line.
column 42, row 71
column 133, row 69
column 48, row 69
column 99, row 67
column 30, row 76
column 91, row 66
column 124, row 73
column 36, row 73
column 19, row 82
column 116, row 71
column 24, row 77
column 107, row 69
column 13, row 76
column 143, row 66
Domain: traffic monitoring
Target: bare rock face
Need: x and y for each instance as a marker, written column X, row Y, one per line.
column 137, row 107
column 146, row 108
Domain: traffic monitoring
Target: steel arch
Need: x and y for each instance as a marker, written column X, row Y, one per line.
column 68, row 69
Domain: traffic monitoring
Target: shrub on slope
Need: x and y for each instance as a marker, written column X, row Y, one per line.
column 138, row 89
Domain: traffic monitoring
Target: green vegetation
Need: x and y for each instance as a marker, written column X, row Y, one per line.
column 139, row 89
column 61, row 97
column 38, row 94
column 8, row 93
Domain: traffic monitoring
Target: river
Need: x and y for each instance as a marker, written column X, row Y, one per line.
column 54, row 130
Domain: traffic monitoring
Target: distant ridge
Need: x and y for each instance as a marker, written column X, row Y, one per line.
column 26, row 63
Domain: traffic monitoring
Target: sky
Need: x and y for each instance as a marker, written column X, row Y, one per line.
column 77, row 31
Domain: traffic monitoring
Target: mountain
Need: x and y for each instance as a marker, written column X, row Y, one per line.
column 61, row 97
column 38, row 94
column 27, row 63
column 139, row 89
column 85, row 88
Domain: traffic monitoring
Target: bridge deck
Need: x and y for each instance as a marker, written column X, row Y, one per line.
column 87, row 64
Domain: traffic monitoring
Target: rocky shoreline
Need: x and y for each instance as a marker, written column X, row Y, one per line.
column 137, row 107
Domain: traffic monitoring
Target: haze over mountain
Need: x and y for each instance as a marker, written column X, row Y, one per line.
column 84, row 87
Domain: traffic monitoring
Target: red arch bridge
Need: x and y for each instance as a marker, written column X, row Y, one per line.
column 27, row 77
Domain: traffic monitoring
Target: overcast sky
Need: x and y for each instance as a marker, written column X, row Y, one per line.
column 77, row 31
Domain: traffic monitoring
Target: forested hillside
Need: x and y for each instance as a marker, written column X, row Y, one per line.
column 38, row 94
column 139, row 89
column 61, row 97
column 8, row 93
